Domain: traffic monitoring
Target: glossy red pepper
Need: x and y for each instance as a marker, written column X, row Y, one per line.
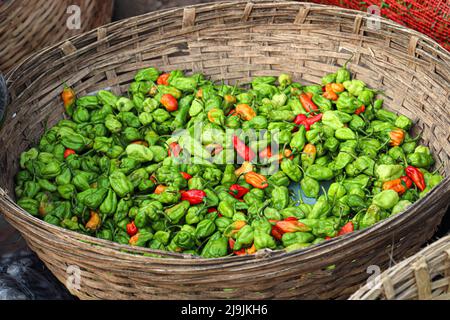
column 169, row 102
column 276, row 233
column 347, row 228
column 194, row 196
column 174, row 149
column 302, row 119
column 416, row 176
column 186, row 175
column 163, row 79
column 131, row 229
column 312, row 120
column 238, row 191
column 360, row 109
column 307, row 103
column 231, row 243
column 68, row 152
column 242, row 149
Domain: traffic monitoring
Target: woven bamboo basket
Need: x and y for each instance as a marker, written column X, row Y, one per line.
column 26, row 26
column 233, row 41
column 424, row 276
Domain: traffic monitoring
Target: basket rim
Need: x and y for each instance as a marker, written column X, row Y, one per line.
column 320, row 249
column 218, row 4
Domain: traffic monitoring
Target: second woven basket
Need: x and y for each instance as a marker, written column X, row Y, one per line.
column 424, row 276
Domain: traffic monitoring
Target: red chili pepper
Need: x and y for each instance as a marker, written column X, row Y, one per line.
column 328, row 238
column 174, row 149
column 245, row 251
column 131, row 229
column 186, row 175
column 276, row 233
column 291, row 225
column 163, row 79
column 312, row 120
column 347, row 228
column 68, row 152
column 302, row 119
column 231, row 243
column 194, row 196
column 307, row 103
column 169, row 102
column 238, row 191
column 360, row 109
column 242, row 149
column 416, row 176
column 212, row 210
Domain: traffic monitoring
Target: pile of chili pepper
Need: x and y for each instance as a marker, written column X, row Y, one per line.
column 116, row 169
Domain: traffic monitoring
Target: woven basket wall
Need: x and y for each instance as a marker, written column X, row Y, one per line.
column 233, row 41
column 26, row 26
column 424, row 276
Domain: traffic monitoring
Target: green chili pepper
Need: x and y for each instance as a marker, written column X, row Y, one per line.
column 310, row 187
column 292, row 238
column 319, row 173
column 291, row 170
column 217, row 246
column 320, row 209
column 371, row 216
column 120, row 183
column 177, row 212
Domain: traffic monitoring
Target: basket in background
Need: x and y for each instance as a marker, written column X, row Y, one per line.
column 424, row 276
column 233, row 41
column 26, row 26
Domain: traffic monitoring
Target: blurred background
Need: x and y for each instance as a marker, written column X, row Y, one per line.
column 27, row 26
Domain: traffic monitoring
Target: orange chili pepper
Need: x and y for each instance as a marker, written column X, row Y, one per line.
column 307, row 103
column 330, row 95
column 229, row 99
column 160, row 189
column 287, row 226
column 134, row 239
column 199, row 93
column 68, row 98
column 397, row 136
column 256, row 180
column 245, row 251
column 244, row 168
column 94, row 221
column 235, row 227
column 141, row 142
column 245, row 112
column 336, row 87
column 399, row 185
column 310, row 150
